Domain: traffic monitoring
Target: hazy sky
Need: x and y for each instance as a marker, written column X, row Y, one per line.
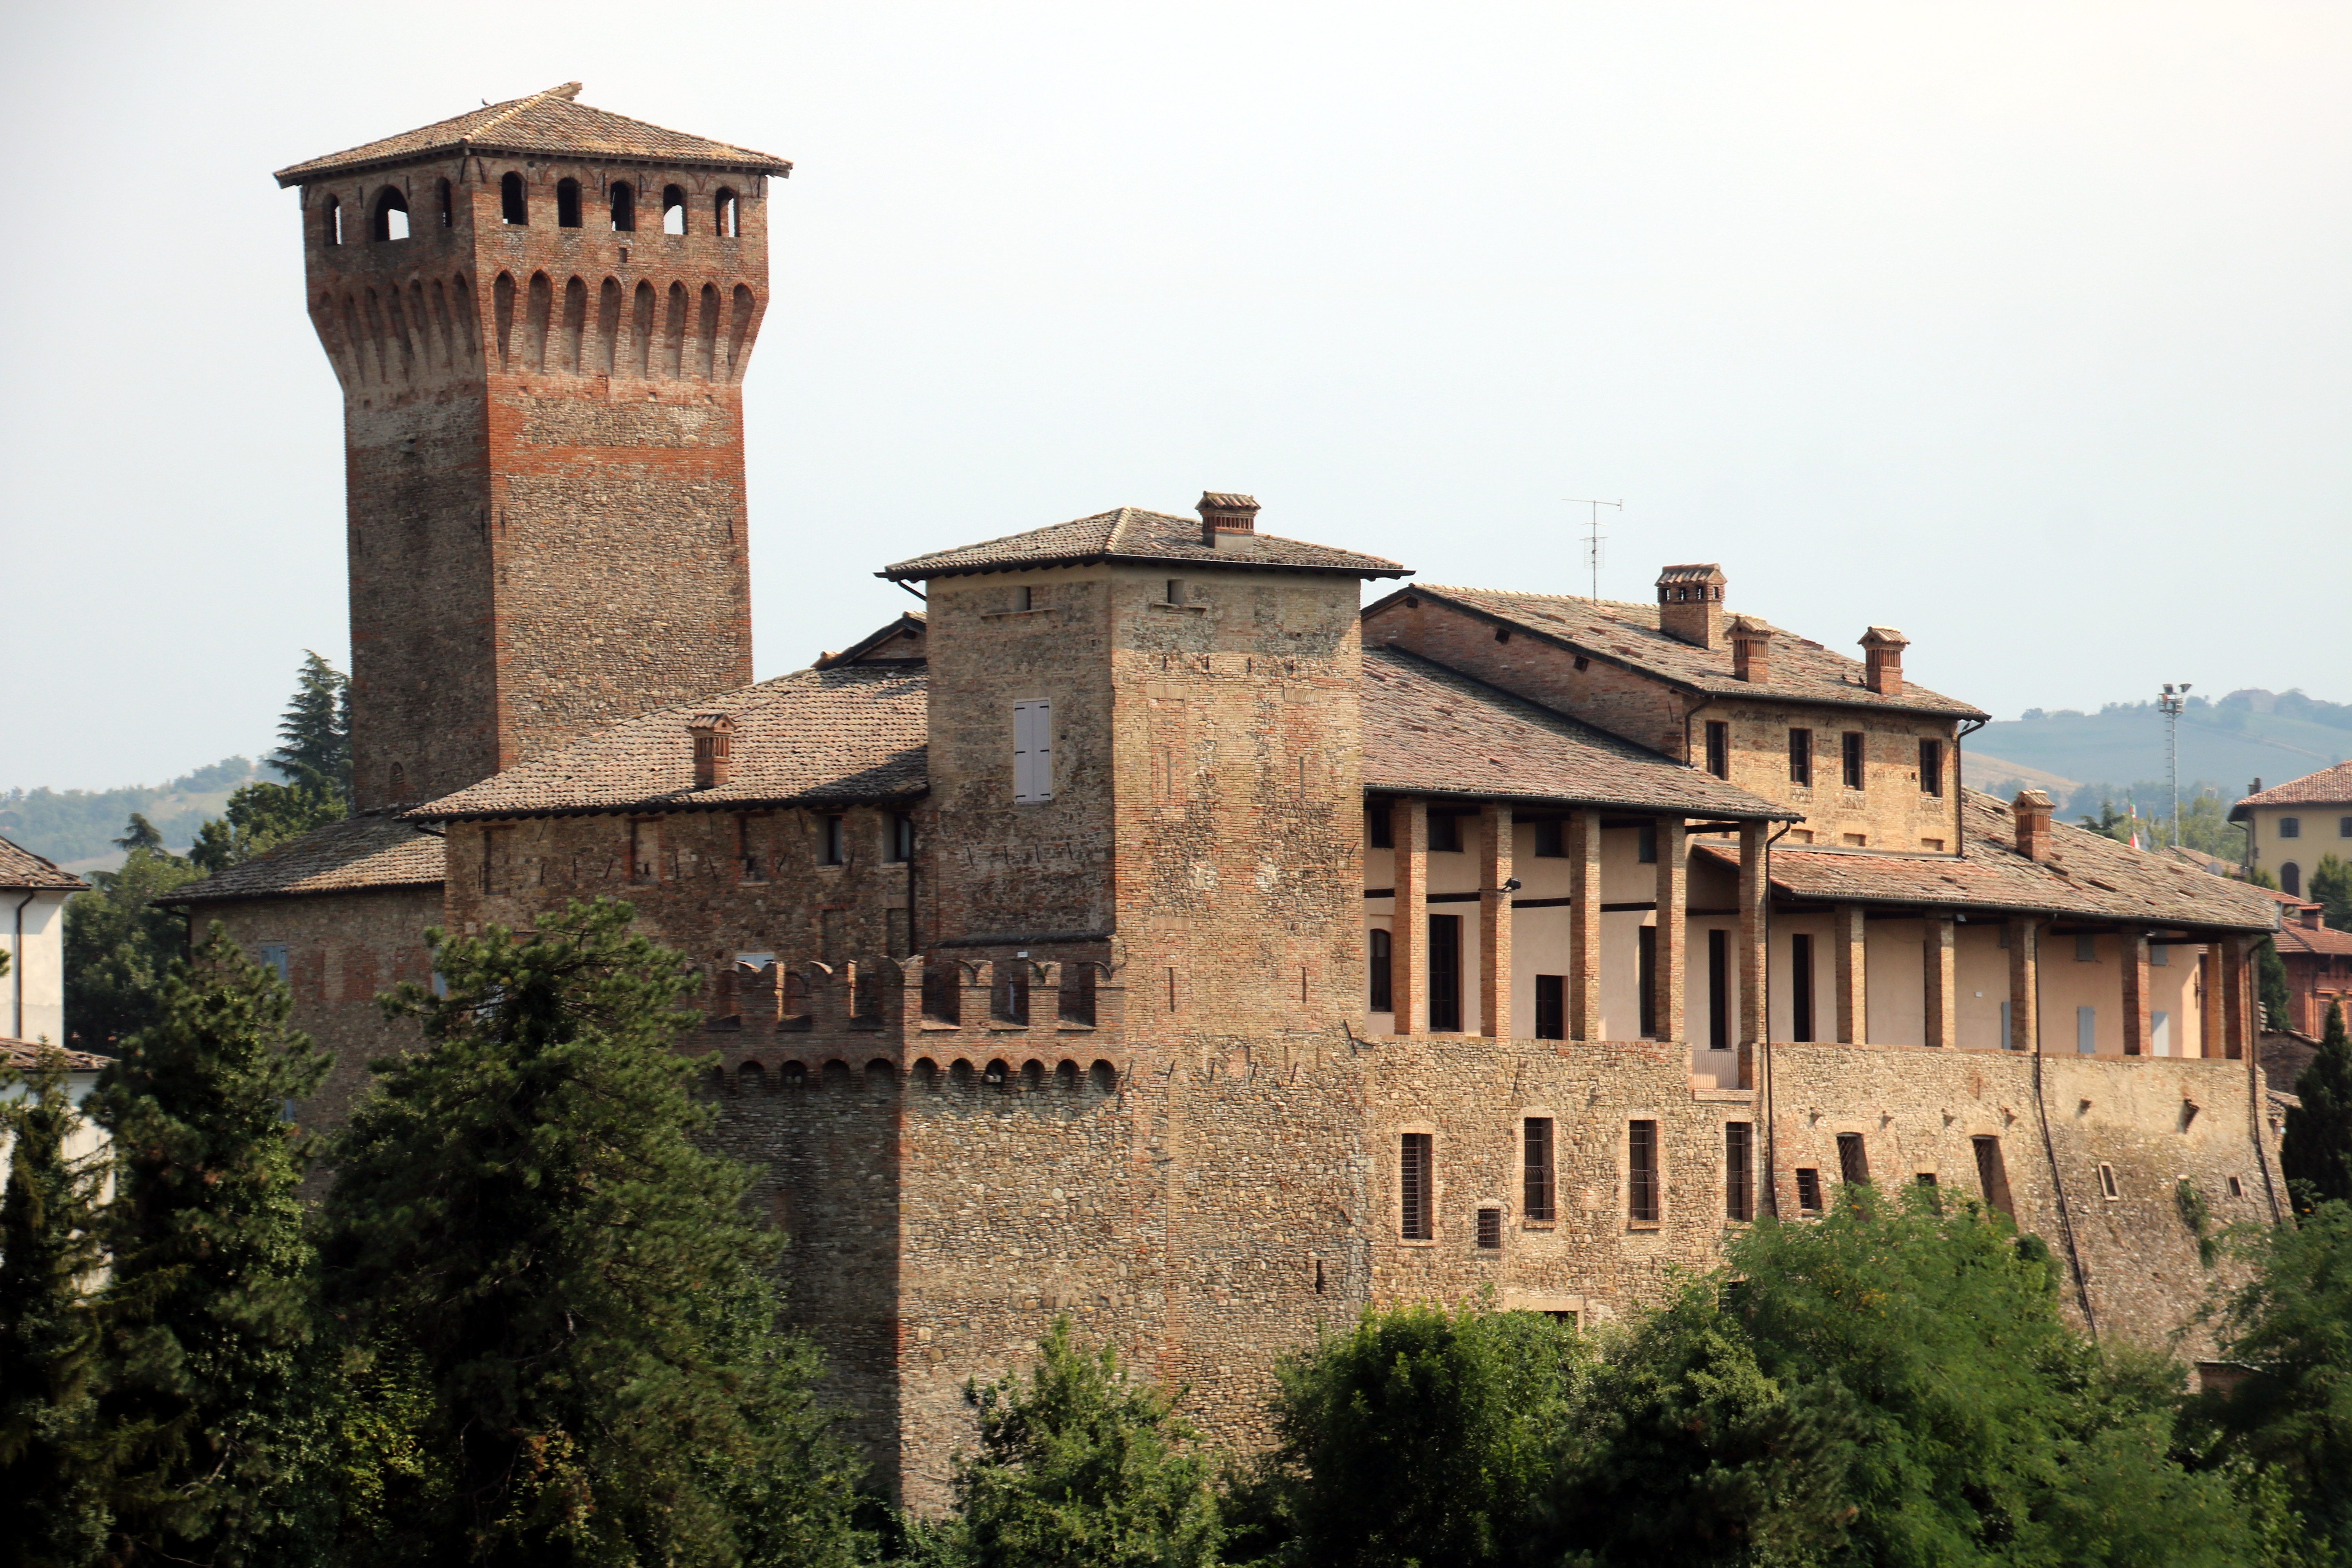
column 2021, row 327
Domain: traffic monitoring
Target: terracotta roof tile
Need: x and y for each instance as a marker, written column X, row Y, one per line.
column 548, row 122
column 20, row 868
column 1801, row 670
column 2086, row 874
column 855, row 732
column 2328, row 786
column 1131, row 533
column 24, row 1055
column 1430, row 730
column 2296, row 937
column 373, row 850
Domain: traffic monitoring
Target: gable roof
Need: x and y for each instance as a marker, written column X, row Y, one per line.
column 2087, row 874
column 1429, row 730
column 853, row 732
column 1131, row 533
column 1627, row 635
column 357, row 855
column 2294, row 936
column 2328, row 786
column 20, row 868
column 898, row 642
column 548, row 122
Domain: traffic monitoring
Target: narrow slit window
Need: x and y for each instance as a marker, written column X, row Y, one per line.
column 1444, row 974
column 623, row 208
column 1851, row 748
column 1645, row 977
column 1992, row 1175
column 902, row 837
column 1800, row 987
column 1718, row 990
column 645, row 852
column 1415, row 1176
column 1642, row 1171
column 1537, row 1183
column 331, row 222
column 1718, row 748
column 1381, row 961
column 1739, row 1170
column 1551, row 1006
column 1033, row 752
column 514, row 202
column 447, row 204
column 2107, row 1188
column 1931, row 767
column 1801, row 757
column 832, row 841
column 1853, row 1160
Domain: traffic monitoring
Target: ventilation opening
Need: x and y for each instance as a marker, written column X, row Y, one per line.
column 513, row 205
column 567, row 203
column 729, row 213
column 624, row 208
column 673, row 210
column 391, row 216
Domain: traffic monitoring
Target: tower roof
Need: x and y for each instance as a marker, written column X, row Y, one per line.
column 1131, row 533
column 548, row 122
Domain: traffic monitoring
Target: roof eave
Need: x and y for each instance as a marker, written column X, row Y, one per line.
column 666, row 804
column 900, row 574
column 1692, row 812
column 309, row 172
column 180, row 897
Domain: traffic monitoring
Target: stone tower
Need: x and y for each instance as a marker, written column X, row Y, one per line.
column 540, row 314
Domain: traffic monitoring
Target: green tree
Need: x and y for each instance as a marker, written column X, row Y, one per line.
column 210, row 1421
column 1422, row 1435
column 314, row 754
column 118, row 943
column 2315, row 1155
column 2331, row 886
column 525, row 1230
column 2271, row 986
column 315, row 734
column 50, row 1259
column 139, row 834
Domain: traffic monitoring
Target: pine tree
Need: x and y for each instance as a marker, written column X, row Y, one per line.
column 2315, row 1155
column 139, row 834
column 315, row 735
column 210, row 1424
column 315, row 755
column 524, row 1229
column 49, row 1259
column 119, row 942
column 2331, row 886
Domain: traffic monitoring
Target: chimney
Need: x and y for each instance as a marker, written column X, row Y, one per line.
column 1751, row 650
column 1228, row 521
column 1883, row 647
column 714, row 748
column 1690, row 605
column 2032, row 809
column 2311, row 917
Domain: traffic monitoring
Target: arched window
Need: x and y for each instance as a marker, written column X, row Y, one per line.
column 729, row 215
column 513, row 204
column 448, row 204
column 391, row 216
column 567, row 203
column 624, row 208
column 2291, row 880
column 673, row 210
column 330, row 222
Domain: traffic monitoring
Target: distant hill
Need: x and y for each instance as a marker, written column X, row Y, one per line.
column 2271, row 735
column 74, row 826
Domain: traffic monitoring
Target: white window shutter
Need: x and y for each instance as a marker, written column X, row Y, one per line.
column 1033, row 750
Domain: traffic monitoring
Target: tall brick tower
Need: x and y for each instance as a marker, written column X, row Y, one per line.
column 540, row 314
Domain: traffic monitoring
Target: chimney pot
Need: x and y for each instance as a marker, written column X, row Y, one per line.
column 1690, row 604
column 714, row 748
column 2032, row 810
column 1751, row 650
column 1228, row 521
column 1881, row 649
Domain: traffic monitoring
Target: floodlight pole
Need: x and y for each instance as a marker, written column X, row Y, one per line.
column 2175, row 698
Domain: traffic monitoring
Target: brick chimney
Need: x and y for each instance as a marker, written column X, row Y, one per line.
column 1751, row 650
column 1883, row 647
column 2032, row 809
column 714, row 748
column 2311, row 917
column 1690, row 605
column 1228, row 521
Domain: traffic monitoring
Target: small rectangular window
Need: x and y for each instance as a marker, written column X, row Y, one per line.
column 902, row 837
column 1992, row 1175
column 1645, row 977
column 1032, row 752
column 1551, row 844
column 1536, row 1185
column 2236, row 1188
column 1852, row 758
column 494, row 859
column 1642, row 1171
column 2290, row 827
column 1718, row 748
column 2086, row 1031
column 1379, row 958
column 1800, row 987
column 645, row 852
column 1415, row 1175
column 1718, row 990
column 2107, row 1188
column 1380, row 827
column 1801, row 756
column 1175, row 590
column 2344, row 827
column 748, row 863
column 1808, row 1190
column 2159, row 956
column 1646, row 844
column 1444, row 833
column 1490, row 1230
column 1738, row 1181
column 1853, row 1160
column 1024, row 597
column 832, row 841
column 1551, row 1006
column 1444, row 974
column 2086, row 948
column 1931, row 767
column 273, row 957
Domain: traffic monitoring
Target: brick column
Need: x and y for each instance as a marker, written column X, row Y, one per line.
column 1674, row 927
column 1850, row 942
column 2239, row 998
column 1408, row 927
column 2210, row 1012
column 1940, row 975
column 2134, row 968
column 1755, row 957
column 2025, row 984
column 1494, row 921
column 1584, row 926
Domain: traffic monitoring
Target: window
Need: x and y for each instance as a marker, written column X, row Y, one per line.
column 1416, row 1173
column 2237, row 1189
column 2344, row 827
column 1551, row 1006
column 1176, row 590
column 1854, row 840
column 1646, row 844
column 2290, row 827
column 494, row 859
column 832, row 841
column 2086, row 948
column 673, row 210
column 1718, row 990
column 645, row 852
column 1800, row 987
column 2008, row 1033
column 2159, row 956
column 1023, row 598
column 330, row 222
column 1718, row 748
column 1535, row 1184
column 272, row 957
column 1445, row 974
column 902, row 837
column 1808, row 1190
column 1853, row 1160
column 1642, row 1171
column 2107, row 1188
column 1739, row 1183
column 1931, row 767
column 728, row 215
column 1380, row 960
column 389, row 220
column 514, row 203
column 1582, row 663
column 2291, row 880
column 1490, row 1230
column 567, row 203
column 1444, row 833
column 1645, row 977
column 447, row 204
column 1992, row 1175
column 2159, row 1032
column 1380, row 827
column 625, row 207
column 747, row 860
column 1551, row 844
column 1033, row 752
column 1851, row 747
column 2086, row 1031
column 1801, row 757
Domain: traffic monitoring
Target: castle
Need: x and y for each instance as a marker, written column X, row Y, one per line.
column 1146, row 930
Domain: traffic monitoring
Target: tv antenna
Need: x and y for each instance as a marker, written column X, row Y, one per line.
column 1592, row 541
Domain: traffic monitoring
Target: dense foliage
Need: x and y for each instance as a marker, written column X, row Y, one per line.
column 2315, row 1156
column 119, row 944
column 2330, row 886
column 314, row 752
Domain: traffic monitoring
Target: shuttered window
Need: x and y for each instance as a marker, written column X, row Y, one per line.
column 1536, row 1196
column 1642, row 1171
column 1416, row 1174
column 1033, row 750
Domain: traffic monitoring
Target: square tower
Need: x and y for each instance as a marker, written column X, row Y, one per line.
column 540, row 314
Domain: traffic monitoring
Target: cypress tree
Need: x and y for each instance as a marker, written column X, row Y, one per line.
column 2315, row 1155
column 209, row 1425
column 525, row 1230
column 49, row 1259
column 315, row 735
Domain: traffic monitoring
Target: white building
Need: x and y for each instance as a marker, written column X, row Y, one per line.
column 33, row 894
